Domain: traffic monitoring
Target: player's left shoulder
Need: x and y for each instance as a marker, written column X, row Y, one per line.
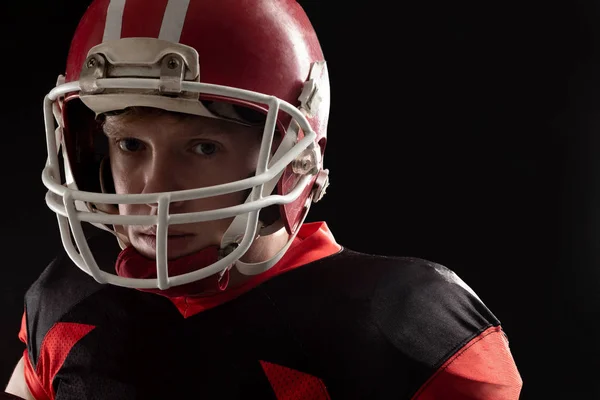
column 412, row 286
column 424, row 306
column 432, row 315
column 418, row 304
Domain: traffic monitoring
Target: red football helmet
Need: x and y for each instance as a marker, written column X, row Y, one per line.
column 214, row 58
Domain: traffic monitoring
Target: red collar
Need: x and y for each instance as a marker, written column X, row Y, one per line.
column 313, row 242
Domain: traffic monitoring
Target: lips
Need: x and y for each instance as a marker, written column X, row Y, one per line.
column 177, row 241
column 170, row 235
column 172, row 232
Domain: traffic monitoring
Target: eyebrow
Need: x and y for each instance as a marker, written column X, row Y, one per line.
column 112, row 131
column 109, row 131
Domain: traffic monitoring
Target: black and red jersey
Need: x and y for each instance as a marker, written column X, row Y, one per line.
column 325, row 323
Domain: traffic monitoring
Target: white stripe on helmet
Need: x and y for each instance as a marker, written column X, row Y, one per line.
column 114, row 20
column 172, row 23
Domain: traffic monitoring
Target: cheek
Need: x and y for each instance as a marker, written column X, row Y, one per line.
column 229, row 167
column 123, row 183
column 243, row 160
column 234, row 169
column 124, row 176
column 126, row 209
column 214, row 203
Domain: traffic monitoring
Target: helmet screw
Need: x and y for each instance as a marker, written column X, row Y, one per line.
column 91, row 63
column 172, row 63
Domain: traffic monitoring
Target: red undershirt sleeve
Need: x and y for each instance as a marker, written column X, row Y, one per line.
column 483, row 369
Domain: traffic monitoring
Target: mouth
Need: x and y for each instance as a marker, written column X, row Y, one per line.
column 171, row 232
column 172, row 238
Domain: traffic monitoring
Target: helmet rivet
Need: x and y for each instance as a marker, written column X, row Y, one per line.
column 172, row 63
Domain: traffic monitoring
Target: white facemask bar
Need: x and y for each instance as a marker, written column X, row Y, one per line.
column 62, row 199
column 237, row 226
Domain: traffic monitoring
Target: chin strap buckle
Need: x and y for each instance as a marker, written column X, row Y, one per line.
column 320, row 186
column 223, row 280
column 311, row 98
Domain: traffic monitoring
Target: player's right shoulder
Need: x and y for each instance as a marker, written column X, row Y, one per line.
column 62, row 283
column 61, row 286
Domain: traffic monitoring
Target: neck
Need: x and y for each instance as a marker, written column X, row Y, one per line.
column 264, row 248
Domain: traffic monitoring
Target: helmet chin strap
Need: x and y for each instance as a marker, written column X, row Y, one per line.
column 234, row 234
column 260, row 267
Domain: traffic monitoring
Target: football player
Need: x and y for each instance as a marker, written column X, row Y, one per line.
column 186, row 144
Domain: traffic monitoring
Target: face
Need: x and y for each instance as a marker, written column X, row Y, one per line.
column 159, row 153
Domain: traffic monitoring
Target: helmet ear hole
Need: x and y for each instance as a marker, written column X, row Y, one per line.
column 269, row 215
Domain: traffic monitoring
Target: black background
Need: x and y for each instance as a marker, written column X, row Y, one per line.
column 464, row 133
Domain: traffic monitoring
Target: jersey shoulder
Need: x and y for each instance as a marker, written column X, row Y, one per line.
column 427, row 311
column 386, row 323
column 57, row 291
column 422, row 307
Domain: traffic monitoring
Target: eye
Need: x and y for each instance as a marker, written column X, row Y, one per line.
column 205, row 148
column 129, row 145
